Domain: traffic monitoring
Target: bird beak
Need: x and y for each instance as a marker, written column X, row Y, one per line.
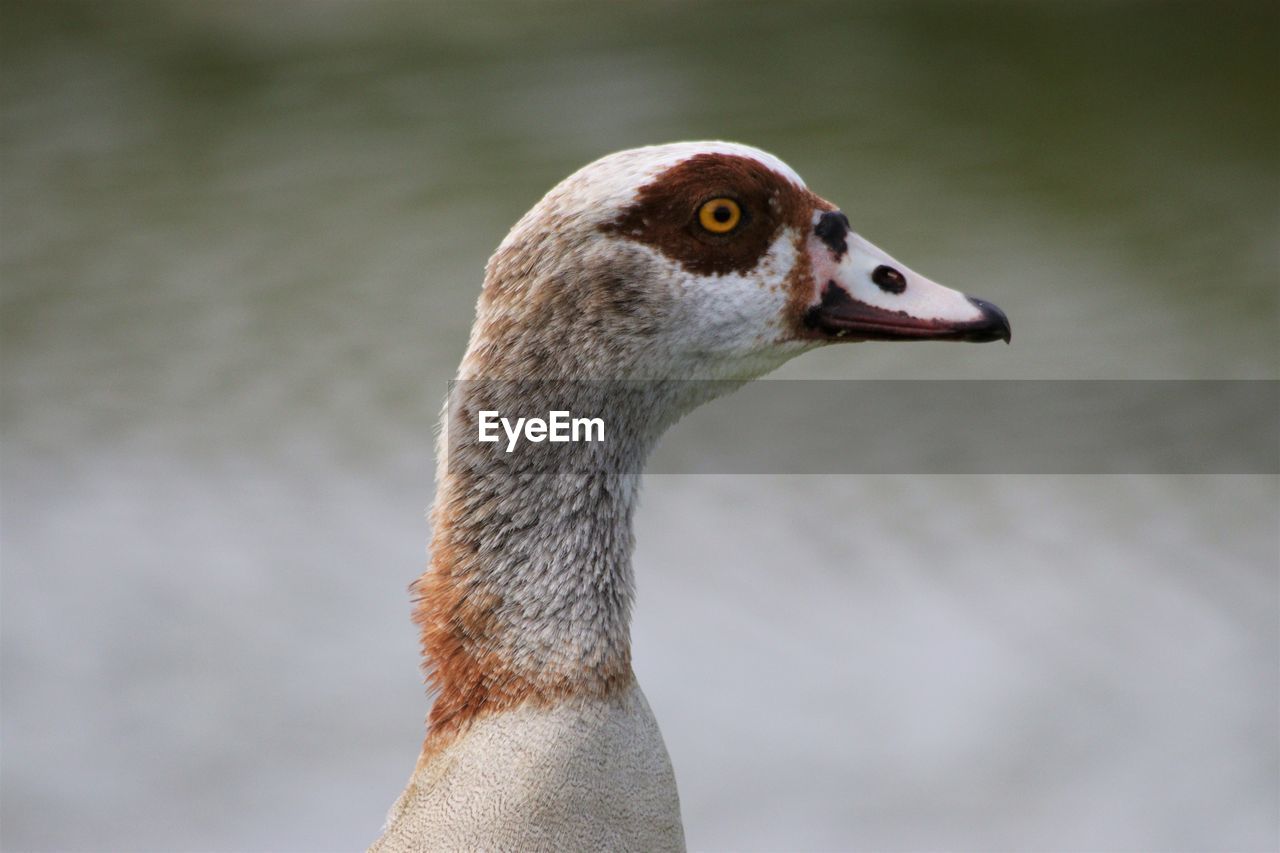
column 863, row 294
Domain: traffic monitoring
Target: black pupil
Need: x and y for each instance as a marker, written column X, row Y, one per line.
column 889, row 279
column 722, row 213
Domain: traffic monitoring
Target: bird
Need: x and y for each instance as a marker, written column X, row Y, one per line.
column 644, row 284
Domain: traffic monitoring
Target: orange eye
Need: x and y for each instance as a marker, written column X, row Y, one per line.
column 720, row 215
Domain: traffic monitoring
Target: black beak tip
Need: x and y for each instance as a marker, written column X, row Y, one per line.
column 994, row 325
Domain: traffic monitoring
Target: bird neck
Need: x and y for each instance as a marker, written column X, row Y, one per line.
column 529, row 590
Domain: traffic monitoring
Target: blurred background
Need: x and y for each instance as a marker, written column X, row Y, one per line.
column 241, row 244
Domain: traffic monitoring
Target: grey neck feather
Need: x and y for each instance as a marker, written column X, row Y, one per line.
column 549, row 526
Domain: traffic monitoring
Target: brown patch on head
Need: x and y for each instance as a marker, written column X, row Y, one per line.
column 665, row 213
column 801, row 289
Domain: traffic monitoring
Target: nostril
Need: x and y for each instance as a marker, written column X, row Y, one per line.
column 888, row 279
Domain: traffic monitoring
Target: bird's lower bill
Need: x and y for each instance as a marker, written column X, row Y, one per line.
column 839, row 317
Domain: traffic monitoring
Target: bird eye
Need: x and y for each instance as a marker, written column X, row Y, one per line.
column 720, row 215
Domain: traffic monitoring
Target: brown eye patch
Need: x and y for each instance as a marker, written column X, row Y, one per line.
column 666, row 212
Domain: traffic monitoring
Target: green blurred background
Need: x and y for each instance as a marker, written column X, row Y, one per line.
column 240, row 248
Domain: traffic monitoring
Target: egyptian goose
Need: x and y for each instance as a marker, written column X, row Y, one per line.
column 703, row 260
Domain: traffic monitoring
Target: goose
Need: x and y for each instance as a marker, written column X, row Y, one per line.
column 694, row 260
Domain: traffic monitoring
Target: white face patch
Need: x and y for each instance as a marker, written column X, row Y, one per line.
column 727, row 325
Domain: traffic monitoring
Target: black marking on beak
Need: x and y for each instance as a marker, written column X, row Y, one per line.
column 888, row 279
column 832, row 228
column 997, row 324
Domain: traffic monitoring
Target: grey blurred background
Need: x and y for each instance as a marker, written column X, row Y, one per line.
column 241, row 244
